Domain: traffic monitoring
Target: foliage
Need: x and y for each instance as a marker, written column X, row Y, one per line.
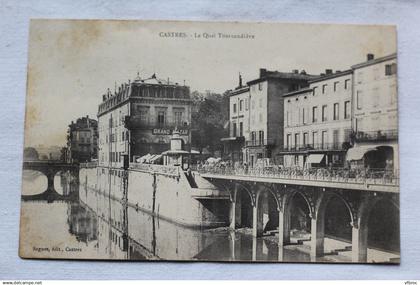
column 209, row 115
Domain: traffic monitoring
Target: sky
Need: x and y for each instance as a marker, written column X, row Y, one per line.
column 72, row 62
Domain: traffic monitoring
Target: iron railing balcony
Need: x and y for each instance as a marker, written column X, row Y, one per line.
column 345, row 175
column 339, row 146
column 268, row 142
column 373, row 136
column 135, row 122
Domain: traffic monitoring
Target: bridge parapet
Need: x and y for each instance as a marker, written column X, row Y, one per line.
column 372, row 180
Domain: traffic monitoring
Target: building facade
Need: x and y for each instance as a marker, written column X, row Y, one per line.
column 266, row 126
column 317, row 122
column 139, row 119
column 238, row 123
column 82, row 140
column 375, row 113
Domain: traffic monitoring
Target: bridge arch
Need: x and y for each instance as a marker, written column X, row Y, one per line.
column 298, row 210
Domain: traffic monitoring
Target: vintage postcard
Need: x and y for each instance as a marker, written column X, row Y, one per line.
column 211, row 141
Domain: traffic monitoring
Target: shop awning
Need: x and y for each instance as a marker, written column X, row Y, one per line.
column 315, row 158
column 156, row 157
column 357, row 153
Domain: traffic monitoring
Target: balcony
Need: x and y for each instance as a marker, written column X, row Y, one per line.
column 376, row 136
column 256, row 143
column 339, row 146
column 136, row 123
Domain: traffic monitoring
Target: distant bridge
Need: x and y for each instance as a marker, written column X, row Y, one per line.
column 50, row 168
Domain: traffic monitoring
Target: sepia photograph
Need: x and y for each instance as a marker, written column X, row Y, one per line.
column 211, row 141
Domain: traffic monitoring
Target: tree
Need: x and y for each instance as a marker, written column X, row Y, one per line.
column 209, row 115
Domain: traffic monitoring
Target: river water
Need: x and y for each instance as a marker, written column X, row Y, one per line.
column 102, row 228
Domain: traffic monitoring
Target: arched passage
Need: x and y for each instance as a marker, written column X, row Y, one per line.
column 243, row 207
column 383, row 226
column 268, row 214
column 338, row 219
column 297, row 225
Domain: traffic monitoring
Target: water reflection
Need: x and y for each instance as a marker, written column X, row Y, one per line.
column 107, row 229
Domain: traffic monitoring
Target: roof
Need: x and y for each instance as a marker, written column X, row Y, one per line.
column 153, row 80
column 297, row 92
column 281, row 75
column 332, row 75
column 239, row 91
column 375, row 61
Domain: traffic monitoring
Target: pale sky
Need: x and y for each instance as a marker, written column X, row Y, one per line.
column 72, row 63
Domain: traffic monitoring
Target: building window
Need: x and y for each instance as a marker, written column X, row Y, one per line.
column 260, row 86
column 335, row 86
column 253, row 104
column 234, row 129
column 297, row 139
column 324, row 113
column 234, row 108
column 241, row 103
column 336, row 116
column 314, row 91
column 346, row 84
column 347, row 110
column 261, row 137
column 161, row 118
column 261, row 102
column 303, row 116
column 390, row 69
column 178, row 118
column 305, row 139
column 144, row 115
column 287, row 118
column 289, row 141
column 359, row 99
column 324, row 88
column 261, row 117
column 241, row 129
column 253, row 137
column 314, row 138
column 314, row 114
column 324, row 139
column 246, row 104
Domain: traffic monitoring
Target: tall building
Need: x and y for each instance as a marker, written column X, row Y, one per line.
column 375, row 113
column 82, row 140
column 238, row 123
column 139, row 118
column 266, row 124
column 317, row 122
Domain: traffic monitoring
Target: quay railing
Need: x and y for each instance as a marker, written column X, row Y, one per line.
column 360, row 176
column 156, row 168
column 257, row 142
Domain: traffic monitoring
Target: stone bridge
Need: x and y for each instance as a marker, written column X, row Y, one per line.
column 50, row 168
column 276, row 198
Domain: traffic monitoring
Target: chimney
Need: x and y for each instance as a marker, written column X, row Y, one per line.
column 328, row 71
column 370, row 56
column 295, row 71
column 240, row 80
column 303, row 72
column 263, row 72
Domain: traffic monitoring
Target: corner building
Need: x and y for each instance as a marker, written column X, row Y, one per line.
column 375, row 113
column 139, row 118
